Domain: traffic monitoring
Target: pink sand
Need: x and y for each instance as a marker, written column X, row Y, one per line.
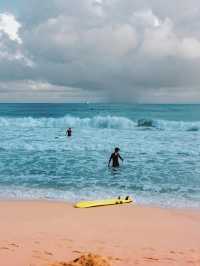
column 39, row 233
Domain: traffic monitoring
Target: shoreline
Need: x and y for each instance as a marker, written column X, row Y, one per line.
column 69, row 203
column 39, row 233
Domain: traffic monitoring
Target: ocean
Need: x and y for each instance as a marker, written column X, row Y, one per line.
column 160, row 145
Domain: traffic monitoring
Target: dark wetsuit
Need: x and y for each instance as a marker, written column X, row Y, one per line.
column 69, row 132
column 115, row 159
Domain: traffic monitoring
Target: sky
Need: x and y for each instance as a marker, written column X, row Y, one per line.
column 141, row 51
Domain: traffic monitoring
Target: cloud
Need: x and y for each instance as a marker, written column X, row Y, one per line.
column 12, row 57
column 10, row 26
column 162, row 40
column 120, row 50
column 190, row 48
column 32, row 91
column 145, row 18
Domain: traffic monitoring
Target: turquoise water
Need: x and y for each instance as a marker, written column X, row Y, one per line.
column 160, row 145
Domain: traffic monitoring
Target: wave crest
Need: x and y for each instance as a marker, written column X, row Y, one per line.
column 103, row 122
column 70, row 121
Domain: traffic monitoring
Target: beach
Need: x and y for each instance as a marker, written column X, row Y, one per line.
column 43, row 173
column 37, row 233
column 100, row 133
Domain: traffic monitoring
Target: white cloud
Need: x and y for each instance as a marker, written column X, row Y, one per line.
column 190, row 48
column 163, row 41
column 11, row 45
column 160, row 41
column 145, row 18
column 10, row 26
column 15, row 56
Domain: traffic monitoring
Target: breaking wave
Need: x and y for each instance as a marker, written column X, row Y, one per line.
column 70, row 121
column 103, row 122
column 168, row 125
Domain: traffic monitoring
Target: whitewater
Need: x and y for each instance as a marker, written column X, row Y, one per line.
column 99, row 122
column 159, row 144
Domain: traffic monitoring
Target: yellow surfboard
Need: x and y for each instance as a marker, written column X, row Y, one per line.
column 104, row 202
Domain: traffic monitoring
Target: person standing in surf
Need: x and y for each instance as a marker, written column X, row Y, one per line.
column 69, row 132
column 115, row 158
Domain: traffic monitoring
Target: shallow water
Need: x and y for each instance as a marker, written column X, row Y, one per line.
column 161, row 152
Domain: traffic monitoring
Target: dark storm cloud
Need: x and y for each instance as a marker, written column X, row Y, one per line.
column 129, row 50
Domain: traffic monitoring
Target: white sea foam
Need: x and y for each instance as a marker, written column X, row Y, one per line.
column 110, row 122
column 69, row 121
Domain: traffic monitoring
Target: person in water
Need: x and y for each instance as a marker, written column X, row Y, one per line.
column 69, row 132
column 115, row 158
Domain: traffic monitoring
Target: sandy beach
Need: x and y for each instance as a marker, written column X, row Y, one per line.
column 34, row 233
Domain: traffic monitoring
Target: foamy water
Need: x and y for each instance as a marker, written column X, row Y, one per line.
column 162, row 156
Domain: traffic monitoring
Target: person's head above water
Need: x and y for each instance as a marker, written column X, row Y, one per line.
column 117, row 149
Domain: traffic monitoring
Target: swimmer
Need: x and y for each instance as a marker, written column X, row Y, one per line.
column 69, row 132
column 115, row 158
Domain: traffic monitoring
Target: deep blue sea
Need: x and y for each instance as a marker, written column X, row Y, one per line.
column 160, row 145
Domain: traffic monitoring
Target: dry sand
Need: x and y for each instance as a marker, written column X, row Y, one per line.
column 46, row 233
